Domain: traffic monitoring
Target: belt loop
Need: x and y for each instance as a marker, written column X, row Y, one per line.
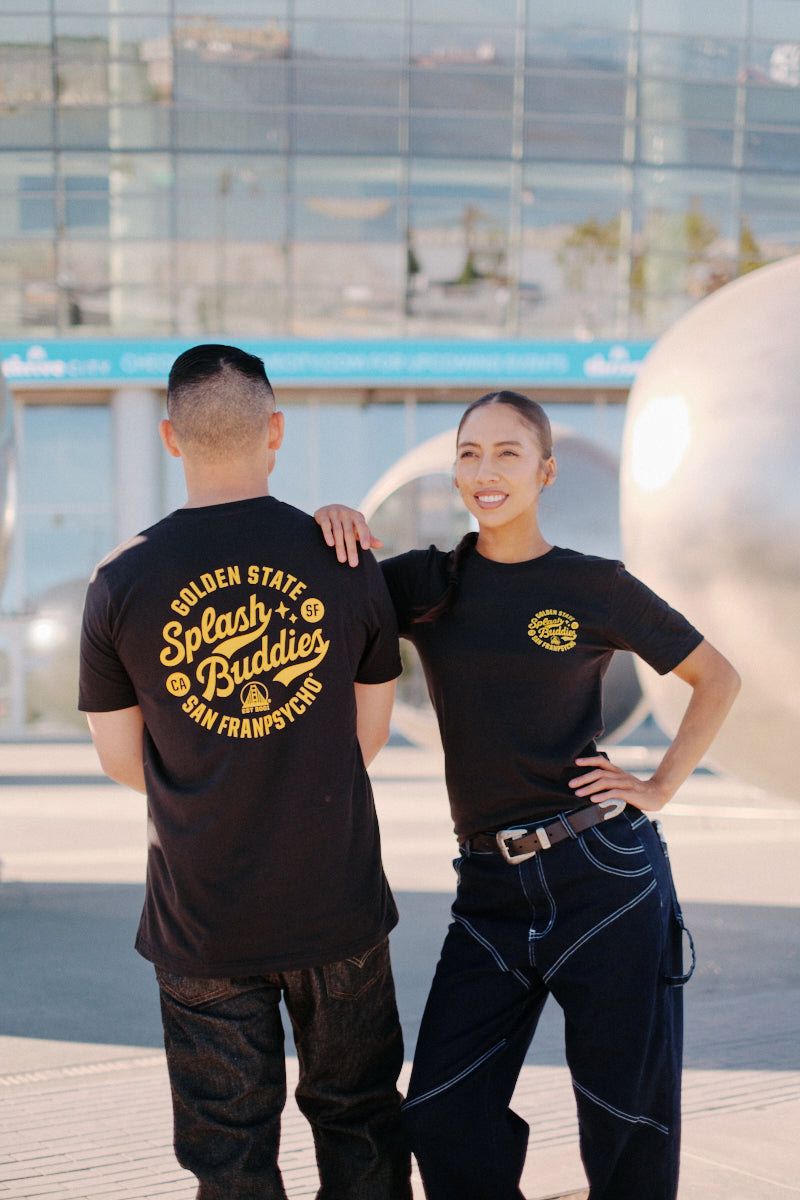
column 570, row 831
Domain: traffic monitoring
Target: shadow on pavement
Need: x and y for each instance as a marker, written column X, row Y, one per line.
column 70, row 973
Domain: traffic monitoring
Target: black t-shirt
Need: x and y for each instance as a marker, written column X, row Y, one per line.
column 515, row 670
column 240, row 636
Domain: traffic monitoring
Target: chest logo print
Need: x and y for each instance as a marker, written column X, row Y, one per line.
column 553, row 629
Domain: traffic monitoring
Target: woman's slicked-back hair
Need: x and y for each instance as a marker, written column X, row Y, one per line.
column 219, row 399
column 529, row 410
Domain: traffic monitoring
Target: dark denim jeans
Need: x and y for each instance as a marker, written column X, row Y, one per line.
column 593, row 921
column 225, row 1052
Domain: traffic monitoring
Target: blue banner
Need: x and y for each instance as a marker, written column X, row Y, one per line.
column 69, row 362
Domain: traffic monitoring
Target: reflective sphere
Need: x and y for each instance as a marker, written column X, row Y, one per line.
column 416, row 504
column 52, row 646
column 710, row 503
column 7, row 474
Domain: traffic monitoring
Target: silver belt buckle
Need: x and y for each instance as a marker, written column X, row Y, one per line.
column 510, row 834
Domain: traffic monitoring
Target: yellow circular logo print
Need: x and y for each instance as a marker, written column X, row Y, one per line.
column 553, row 629
column 178, row 684
column 312, row 610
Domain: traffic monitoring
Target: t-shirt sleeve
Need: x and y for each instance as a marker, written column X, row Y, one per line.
column 415, row 581
column 380, row 660
column 105, row 685
column 642, row 622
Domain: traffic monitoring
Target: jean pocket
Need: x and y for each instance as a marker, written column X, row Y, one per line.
column 616, row 849
column 192, row 991
column 349, row 978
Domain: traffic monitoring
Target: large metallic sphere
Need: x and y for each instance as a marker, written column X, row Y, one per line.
column 52, row 652
column 710, row 503
column 415, row 503
column 7, row 474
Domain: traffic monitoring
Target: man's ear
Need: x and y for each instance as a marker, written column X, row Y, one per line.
column 168, row 437
column 276, row 427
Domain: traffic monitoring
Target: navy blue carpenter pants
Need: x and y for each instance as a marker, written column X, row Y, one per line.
column 593, row 921
column 225, row 1053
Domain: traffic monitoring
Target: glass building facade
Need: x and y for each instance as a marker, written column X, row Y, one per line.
column 318, row 168
column 469, row 170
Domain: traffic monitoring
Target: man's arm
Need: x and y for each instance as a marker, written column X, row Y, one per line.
column 117, row 738
column 374, row 709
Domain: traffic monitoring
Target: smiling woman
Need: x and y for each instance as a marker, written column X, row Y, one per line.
column 515, row 636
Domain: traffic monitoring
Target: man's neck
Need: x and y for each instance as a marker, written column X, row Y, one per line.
column 207, row 487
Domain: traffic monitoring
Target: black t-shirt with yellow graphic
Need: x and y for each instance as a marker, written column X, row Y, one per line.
column 240, row 636
column 515, row 670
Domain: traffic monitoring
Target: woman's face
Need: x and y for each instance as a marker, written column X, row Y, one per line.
column 500, row 470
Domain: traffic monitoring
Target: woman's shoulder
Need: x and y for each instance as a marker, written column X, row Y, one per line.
column 417, row 564
column 578, row 560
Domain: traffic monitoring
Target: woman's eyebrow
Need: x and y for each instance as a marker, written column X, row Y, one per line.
column 505, row 442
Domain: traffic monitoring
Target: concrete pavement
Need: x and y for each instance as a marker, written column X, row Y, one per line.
column 84, row 1099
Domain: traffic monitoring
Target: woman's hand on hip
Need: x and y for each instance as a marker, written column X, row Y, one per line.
column 606, row 781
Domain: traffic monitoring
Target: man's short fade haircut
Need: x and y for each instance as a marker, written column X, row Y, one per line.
column 219, row 399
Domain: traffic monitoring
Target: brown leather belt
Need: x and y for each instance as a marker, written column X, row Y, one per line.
column 521, row 842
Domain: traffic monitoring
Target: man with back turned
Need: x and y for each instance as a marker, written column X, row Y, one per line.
column 237, row 674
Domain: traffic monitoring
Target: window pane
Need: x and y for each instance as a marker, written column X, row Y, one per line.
column 772, row 151
column 673, row 194
column 460, row 44
column 37, row 210
column 775, row 62
column 346, row 289
column 236, row 129
column 719, row 18
column 773, row 106
column 690, row 58
column 579, row 50
column 489, row 11
column 255, row 8
column 771, row 210
column 349, row 40
column 705, row 102
column 555, row 93
column 346, row 133
column 29, row 128
column 226, row 196
column 569, row 277
column 554, row 14
column 104, row 36
column 467, row 137
column 83, row 128
column 564, row 140
column 371, row 9
column 346, row 84
column 776, row 18
column 25, row 66
column 675, row 145
column 462, row 91
column 458, row 248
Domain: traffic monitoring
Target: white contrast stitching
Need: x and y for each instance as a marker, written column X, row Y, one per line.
column 596, row 928
column 617, row 1112
column 443, row 1087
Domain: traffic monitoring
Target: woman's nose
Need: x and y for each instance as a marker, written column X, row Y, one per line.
column 487, row 468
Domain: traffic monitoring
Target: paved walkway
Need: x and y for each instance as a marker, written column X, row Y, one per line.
column 84, row 1099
